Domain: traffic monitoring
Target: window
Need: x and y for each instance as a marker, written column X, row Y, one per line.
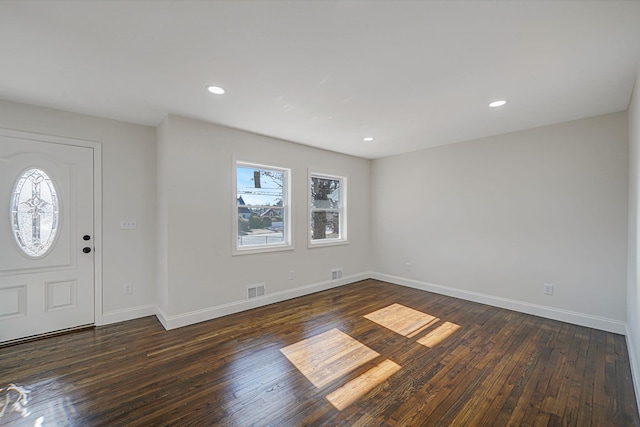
column 34, row 212
column 262, row 208
column 327, row 209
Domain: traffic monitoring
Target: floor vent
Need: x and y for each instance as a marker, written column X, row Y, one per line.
column 336, row 274
column 256, row 291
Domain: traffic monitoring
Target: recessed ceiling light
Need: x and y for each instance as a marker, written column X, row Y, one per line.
column 368, row 138
column 498, row 103
column 215, row 90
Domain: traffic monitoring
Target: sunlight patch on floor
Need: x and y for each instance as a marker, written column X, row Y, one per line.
column 439, row 334
column 331, row 355
column 402, row 320
column 328, row 356
column 14, row 398
column 358, row 387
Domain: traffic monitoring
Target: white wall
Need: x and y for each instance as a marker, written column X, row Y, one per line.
column 633, row 284
column 494, row 219
column 195, row 171
column 129, row 191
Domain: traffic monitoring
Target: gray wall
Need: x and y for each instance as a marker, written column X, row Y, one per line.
column 501, row 216
column 495, row 218
column 201, row 277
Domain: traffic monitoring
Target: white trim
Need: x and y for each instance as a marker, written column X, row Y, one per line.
column 97, row 201
column 128, row 314
column 257, row 249
column 97, row 230
column 633, row 359
column 162, row 318
column 590, row 321
column 197, row 316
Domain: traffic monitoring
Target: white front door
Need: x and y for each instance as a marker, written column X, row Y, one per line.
column 46, row 237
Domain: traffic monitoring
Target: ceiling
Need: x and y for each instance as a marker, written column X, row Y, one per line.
column 412, row 74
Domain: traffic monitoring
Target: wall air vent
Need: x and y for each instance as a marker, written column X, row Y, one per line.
column 336, row 274
column 256, row 291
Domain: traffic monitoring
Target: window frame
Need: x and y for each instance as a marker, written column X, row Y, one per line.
column 287, row 244
column 343, row 213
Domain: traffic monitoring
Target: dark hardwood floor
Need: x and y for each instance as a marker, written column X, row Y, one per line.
column 366, row 354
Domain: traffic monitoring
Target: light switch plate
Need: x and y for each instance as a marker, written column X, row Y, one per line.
column 128, row 224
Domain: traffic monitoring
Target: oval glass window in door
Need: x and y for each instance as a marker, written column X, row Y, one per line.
column 34, row 212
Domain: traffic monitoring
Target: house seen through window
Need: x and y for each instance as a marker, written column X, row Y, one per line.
column 262, row 206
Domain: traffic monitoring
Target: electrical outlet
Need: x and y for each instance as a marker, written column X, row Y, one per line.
column 292, row 275
column 548, row 289
column 128, row 224
column 407, row 266
column 127, row 288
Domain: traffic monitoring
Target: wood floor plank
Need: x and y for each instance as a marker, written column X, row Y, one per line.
column 486, row 367
column 475, row 409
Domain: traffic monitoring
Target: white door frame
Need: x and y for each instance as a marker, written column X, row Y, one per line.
column 97, row 201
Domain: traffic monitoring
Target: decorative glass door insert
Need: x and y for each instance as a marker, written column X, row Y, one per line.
column 34, row 212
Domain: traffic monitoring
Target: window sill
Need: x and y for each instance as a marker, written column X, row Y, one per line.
column 261, row 249
column 328, row 242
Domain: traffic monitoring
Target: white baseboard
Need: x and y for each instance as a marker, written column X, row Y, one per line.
column 633, row 361
column 596, row 322
column 162, row 318
column 184, row 319
column 127, row 314
column 197, row 316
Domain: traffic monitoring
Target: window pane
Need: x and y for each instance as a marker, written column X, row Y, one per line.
column 259, row 227
column 34, row 212
column 261, row 197
column 325, row 193
column 260, row 187
column 325, row 225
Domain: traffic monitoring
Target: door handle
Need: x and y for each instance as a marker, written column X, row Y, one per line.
column 86, row 250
